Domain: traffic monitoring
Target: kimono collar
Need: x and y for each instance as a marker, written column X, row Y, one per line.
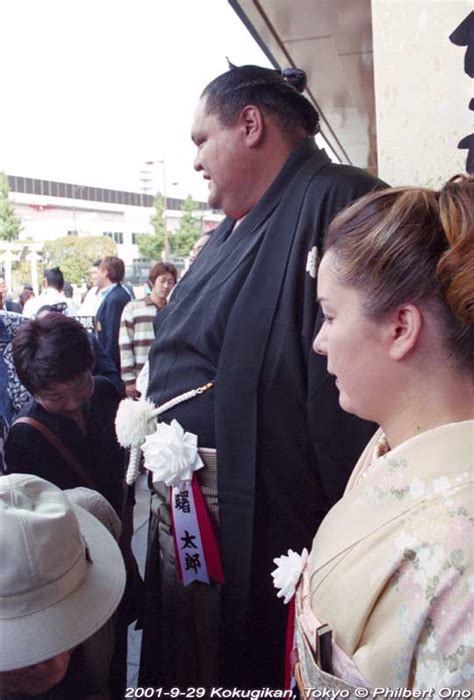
column 427, row 467
column 270, row 200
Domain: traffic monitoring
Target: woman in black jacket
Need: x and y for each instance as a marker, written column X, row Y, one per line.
column 66, row 434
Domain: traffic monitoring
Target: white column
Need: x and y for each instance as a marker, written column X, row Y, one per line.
column 33, row 258
column 7, row 260
column 421, row 90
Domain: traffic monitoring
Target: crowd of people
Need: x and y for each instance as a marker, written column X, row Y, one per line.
column 310, row 376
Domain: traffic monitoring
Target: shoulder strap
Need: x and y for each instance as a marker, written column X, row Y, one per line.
column 62, row 449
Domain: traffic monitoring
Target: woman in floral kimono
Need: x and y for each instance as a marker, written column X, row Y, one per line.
column 390, row 572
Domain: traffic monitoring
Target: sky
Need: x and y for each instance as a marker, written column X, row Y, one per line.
column 92, row 89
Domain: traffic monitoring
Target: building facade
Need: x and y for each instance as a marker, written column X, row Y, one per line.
column 50, row 210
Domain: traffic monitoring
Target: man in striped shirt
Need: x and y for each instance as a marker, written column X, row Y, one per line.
column 136, row 325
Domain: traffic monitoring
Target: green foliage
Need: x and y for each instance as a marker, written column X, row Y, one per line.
column 21, row 274
column 76, row 255
column 151, row 245
column 10, row 223
column 189, row 230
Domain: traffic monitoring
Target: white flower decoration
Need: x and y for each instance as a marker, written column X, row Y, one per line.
column 312, row 262
column 441, row 485
column 134, row 421
column 417, row 488
column 404, row 541
column 171, row 454
column 288, row 572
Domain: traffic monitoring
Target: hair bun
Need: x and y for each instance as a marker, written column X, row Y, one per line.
column 456, row 266
column 460, row 294
column 296, row 77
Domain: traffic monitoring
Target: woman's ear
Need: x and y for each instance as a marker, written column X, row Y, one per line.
column 406, row 325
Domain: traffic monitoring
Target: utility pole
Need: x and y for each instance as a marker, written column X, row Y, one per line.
column 166, row 250
column 75, row 188
column 145, row 179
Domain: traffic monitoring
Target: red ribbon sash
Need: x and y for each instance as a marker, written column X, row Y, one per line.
column 194, row 539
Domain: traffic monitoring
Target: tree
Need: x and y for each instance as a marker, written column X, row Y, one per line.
column 151, row 245
column 10, row 223
column 21, row 273
column 189, row 229
column 75, row 256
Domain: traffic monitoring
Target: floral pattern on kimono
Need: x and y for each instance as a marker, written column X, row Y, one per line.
column 391, row 566
column 16, row 395
column 13, row 394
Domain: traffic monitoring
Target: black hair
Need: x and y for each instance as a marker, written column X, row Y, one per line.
column 49, row 350
column 265, row 88
column 61, row 307
column 54, row 278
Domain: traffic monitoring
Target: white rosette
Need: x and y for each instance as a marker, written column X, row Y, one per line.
column 171, row 454
column 287, row 574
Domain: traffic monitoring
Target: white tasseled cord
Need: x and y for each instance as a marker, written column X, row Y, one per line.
column 133, row 466
column 180, row 399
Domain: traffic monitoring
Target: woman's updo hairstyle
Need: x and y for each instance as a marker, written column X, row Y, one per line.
column 455, row 269
column 410, row 244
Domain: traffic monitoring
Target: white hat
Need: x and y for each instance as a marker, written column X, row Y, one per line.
column 61, row 572
column 95, row 503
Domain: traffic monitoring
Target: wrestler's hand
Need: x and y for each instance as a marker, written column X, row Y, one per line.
column 132, row 391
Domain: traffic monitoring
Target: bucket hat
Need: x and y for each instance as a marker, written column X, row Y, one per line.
column 95, row 503
column 61, row 575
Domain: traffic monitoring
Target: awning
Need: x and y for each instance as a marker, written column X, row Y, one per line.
column 332, row 41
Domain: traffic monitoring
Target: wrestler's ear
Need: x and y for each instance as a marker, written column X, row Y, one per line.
column 405, row 326
column 252, row 122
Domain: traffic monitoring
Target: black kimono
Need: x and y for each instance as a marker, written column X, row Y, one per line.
column 27, row 450
column 244, row 317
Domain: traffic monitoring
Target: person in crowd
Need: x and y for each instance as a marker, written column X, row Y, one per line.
column 197, row 247
column 66, row 433
column 8, row 304
column 243, row 319
column 91, row 302
column 52, row 293
column 26, row 293
column 396, row 285
column 114, row 297
column 141, row 381
column 13, row 395
column 71, row 302
column 62, row 579
column 129, row 287
column 103, row 364
column 136, row 326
